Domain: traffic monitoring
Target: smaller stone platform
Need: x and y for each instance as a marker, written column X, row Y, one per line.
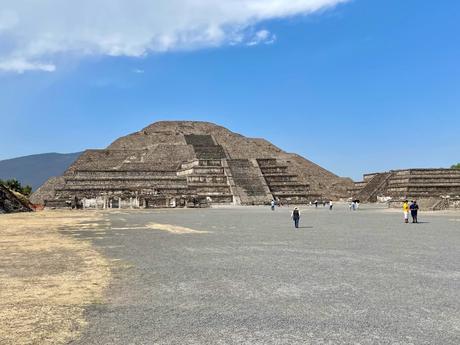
column 427, row 185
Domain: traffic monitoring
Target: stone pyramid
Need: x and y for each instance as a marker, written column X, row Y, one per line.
column 180, row 163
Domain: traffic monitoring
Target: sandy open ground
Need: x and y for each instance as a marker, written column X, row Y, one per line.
column 47, row 278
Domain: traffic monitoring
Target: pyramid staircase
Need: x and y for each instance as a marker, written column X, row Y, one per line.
column 206, row 181
column 372, row 189
column 205, row 147
column 247, row 182
column 283, row 185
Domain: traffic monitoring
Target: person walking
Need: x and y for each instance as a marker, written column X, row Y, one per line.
column 278, row 202
column 414, row 211
column 406, row 211
column 330, row 205
column 272, row 205
column 296, row 217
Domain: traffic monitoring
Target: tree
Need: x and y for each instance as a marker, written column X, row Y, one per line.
column 27, row 190
column 16, row 186
column 455, row 166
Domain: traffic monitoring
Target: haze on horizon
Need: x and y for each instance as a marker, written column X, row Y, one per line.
column 354, row 86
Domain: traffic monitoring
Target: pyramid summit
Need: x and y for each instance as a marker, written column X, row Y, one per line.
column 176, row 163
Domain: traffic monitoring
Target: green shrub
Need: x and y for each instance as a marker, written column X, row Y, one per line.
column 16, row 186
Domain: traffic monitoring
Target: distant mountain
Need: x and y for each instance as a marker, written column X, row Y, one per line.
column 34, row 170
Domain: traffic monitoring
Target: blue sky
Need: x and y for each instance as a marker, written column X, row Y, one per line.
column 359, row 87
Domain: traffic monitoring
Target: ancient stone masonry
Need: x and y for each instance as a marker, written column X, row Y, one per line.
column 369, row 189
column 10, row 202
column 248, row 182
column 426, row 185
column 206, row 180
column 283, row 185
column 174, row 164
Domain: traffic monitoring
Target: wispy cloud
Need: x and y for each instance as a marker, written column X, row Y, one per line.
column 262, row 37
column 32, row 33
column 20, row 66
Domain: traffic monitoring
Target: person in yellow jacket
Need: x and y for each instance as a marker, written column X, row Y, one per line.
column 406, row 211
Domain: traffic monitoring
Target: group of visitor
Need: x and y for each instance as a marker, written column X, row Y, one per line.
column 413, row 208
column 324, row 203
column 354, row 205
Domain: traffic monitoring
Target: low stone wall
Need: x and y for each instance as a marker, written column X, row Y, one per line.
column 454, row 203
column 423, row 203
column 432, row 204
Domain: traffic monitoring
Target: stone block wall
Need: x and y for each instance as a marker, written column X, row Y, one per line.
column 428, row 186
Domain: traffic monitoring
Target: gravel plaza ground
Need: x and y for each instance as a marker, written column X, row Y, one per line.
column 246, row 276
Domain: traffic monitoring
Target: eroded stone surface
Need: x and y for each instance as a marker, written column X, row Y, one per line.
column 10, row 202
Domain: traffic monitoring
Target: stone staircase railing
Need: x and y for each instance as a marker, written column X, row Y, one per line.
column 442, row 204
column 370, row 191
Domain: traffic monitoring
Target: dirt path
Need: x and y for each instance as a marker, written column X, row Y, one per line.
column 46, row 278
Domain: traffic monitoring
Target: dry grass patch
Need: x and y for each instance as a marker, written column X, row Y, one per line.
column 175, row 229
column 46, row 278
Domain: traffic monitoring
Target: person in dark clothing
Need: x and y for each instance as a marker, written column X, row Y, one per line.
column 75, row 203
column 414, row 211
column 296, row 217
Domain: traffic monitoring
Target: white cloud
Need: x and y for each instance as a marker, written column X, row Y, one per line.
column 21, row 66
column 262, row 36
column 32, row 32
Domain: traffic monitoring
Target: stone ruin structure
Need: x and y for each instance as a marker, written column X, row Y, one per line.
column 10, row 202
column 183, row 163
column 433, row 188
